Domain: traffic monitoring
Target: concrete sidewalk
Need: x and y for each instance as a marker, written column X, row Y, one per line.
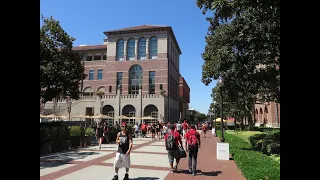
column 148, row 161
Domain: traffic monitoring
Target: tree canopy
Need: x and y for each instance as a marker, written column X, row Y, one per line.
column 61, row 70
column 243, row 47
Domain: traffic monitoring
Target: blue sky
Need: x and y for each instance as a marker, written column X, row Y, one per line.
column 87, row 20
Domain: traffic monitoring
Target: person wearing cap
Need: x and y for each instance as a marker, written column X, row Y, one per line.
column 172, row 154
column 124, row 139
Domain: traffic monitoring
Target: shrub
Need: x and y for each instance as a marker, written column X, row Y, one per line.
column 75, row 131
column 255, row 138
column 253, row 164
column 54, row 132
column 268, row 143
column 89, row 131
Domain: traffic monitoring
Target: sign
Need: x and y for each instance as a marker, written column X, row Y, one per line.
column 222, row 151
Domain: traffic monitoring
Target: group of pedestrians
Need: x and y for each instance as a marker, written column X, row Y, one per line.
column 172, row 134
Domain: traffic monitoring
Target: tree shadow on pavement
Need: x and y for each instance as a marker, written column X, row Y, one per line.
column 58, row 159
column 145, row 178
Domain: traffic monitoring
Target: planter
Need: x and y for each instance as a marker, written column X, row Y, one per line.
column 66, row 145
column 88, row 140
column 75, row 141
column 46, row 148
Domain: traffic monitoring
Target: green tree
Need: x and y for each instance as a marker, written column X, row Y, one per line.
column 243, row 46
column 61, row 70
column 200, row 116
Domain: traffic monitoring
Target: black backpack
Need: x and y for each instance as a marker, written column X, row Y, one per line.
column 171, row 142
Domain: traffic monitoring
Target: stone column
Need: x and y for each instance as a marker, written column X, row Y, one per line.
column 136, row 49
column 118, row 104
column 147, row 49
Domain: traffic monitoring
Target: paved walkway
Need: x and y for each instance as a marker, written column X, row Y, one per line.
column 148, row 162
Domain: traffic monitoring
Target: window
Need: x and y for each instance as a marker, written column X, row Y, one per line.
column 119, row 79
column 135, row 79
column 151, row 82
column 142, row 49
column 97, row 57
column 104, row 56
column 91, row 74
column 120, row 50
column 89, row 57
column 99, row 75
column 160, row 86
column 153, row 48
column 110, row 89
column 131, row 49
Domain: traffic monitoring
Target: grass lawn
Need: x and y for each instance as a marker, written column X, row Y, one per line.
column 253, row 164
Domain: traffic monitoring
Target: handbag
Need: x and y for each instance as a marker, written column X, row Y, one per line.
column 181, row 152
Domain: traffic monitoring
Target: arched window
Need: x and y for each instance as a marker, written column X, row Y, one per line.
column 142, row 49
column 130, row 49
column 135, row 79
column 153, row 48
column 120, row 50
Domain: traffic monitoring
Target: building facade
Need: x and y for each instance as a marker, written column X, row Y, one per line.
column 267, row 114
column 137, row 70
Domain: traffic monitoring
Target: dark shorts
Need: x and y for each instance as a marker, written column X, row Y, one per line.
column 153, row 130
column 157, row 130
column 172, row 154
column 204, row 131
column 179, row 131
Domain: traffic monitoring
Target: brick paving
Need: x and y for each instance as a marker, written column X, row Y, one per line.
column 208, row 166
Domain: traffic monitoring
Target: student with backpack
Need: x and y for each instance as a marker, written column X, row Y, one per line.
column 173, row 141
column 192, row 145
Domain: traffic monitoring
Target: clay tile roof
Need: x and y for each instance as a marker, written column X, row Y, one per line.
column 142, row 27
column 93, row 47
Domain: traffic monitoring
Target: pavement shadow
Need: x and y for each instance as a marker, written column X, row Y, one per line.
column 59, row 159
column 212, row 173
column 199, row 172
column 144, row 178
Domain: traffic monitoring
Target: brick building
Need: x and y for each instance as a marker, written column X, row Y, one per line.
column 267, row 114
column 137, row 69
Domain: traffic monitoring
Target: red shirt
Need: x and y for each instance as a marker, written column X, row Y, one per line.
column 176, row 136
column 143, row 127
column 192, row 131
column 184, row 126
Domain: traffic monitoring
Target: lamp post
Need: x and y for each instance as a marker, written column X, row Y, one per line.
column 215, row 117
column 221, row 84
column 101, row 108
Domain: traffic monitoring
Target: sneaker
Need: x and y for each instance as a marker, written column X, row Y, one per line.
column 115, row 177
column 172, row 171
column 126, row 177
column 190, row 171
column 193, row 173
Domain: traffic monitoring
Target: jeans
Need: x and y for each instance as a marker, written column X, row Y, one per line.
column 193, row 155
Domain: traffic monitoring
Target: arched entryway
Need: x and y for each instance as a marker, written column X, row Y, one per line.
column 109, row 111
column 151, row 110
column 260, row 116
column 256, row 119
column 88, row 91
column 129, row 111
column 265, row 117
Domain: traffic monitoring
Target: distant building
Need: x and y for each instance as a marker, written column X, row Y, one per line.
column 138, row 71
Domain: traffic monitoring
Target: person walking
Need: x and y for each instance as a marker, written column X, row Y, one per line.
column 124, row 139
column 172, row 140
column 99, row 133
column 192, row 145
column 179, row 128
column 185, row 127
